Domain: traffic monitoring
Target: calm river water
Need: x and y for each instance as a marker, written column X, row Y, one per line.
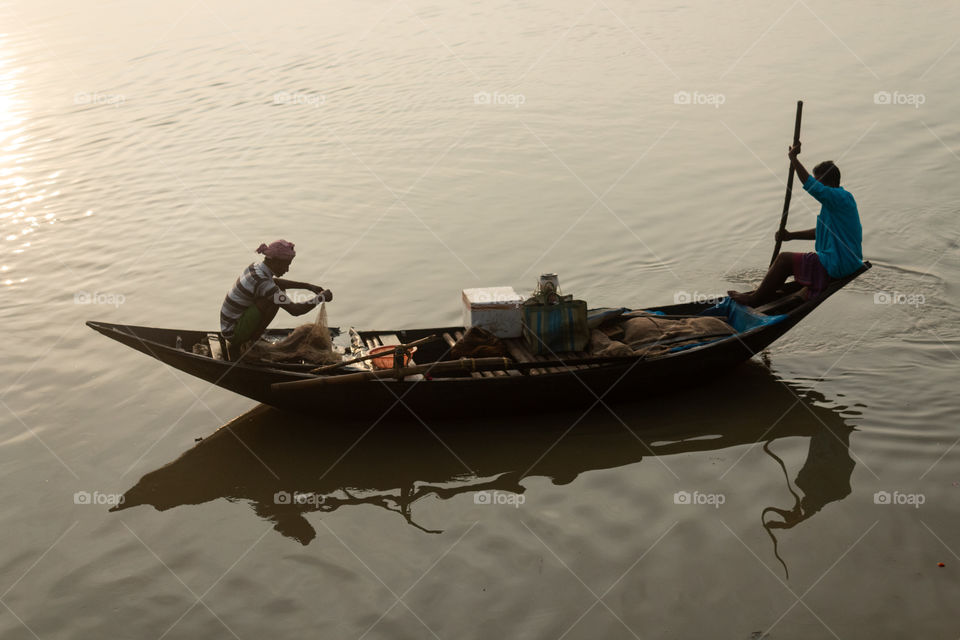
column 411, row 149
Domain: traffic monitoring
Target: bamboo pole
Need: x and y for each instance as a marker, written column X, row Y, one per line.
column 463, row 364
column 786, row 199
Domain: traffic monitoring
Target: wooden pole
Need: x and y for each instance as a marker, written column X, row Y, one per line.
column 786, row 199
column 447, row 366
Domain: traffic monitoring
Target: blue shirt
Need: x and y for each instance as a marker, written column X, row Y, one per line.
column 839, row 233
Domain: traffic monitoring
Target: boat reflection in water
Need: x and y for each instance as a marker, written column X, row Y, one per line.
column 286, row 466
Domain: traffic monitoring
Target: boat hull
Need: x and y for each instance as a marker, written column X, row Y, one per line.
column 574, row 391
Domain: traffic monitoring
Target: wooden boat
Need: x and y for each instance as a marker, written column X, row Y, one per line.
column 527, row 383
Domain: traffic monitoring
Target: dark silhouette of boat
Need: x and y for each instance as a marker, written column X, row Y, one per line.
column 573, row 382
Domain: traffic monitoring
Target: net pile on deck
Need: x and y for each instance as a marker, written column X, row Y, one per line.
column 309, row 343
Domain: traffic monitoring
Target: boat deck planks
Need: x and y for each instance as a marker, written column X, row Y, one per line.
column 799, row 296
column 519, row 352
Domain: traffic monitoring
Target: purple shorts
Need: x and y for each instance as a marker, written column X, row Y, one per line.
column 808, row 271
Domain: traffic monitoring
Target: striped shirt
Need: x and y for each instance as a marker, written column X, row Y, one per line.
column 255, row 282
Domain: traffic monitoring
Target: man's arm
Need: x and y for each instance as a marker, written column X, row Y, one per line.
column 327, row 295
column 282, row 300
column 802, row 172
column 808, row 234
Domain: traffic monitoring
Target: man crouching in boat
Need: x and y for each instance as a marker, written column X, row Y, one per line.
column 258, row 293
column 837, row 236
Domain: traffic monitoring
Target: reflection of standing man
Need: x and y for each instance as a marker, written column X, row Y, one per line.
column 824, row 478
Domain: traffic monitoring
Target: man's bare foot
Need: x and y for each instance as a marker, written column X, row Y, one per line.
column 741, row 298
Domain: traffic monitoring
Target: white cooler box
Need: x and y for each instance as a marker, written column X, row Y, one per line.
column 496, row 309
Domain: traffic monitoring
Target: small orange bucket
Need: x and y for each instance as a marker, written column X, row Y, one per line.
column 386, row 360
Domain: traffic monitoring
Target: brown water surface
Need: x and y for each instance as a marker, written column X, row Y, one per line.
column 414, row 149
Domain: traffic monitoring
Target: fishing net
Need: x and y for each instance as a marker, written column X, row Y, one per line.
column 310, row 343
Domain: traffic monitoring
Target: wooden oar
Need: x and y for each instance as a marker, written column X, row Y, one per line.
column 447, row 366
column 786, row 199
column 370, row 356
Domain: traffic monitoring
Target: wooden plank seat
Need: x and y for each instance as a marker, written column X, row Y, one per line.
column 518, row 351
column 786, row 303
column 216, row 347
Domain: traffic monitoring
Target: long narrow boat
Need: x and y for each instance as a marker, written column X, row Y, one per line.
column 574, row 382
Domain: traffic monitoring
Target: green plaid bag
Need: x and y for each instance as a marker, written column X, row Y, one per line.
column 555, row 328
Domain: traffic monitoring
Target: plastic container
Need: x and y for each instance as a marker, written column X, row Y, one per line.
column 496, row 309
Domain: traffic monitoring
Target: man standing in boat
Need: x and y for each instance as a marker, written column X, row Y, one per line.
column 837, row 236
column 259, row 292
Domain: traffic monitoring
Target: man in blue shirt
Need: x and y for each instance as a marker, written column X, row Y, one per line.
column 837, row 238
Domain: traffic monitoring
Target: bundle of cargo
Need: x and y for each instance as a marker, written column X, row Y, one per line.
column 548, row 321
column 553, row 322
column 648, row 334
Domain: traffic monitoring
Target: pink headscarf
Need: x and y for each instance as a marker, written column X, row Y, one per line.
column 280, row 250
